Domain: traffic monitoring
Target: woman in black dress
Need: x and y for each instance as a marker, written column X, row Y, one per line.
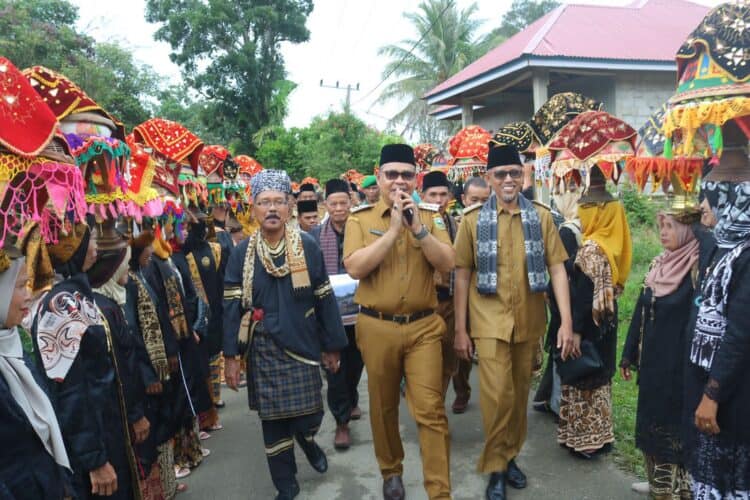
column 34, row 464
column 655, row 345
column 717, row 381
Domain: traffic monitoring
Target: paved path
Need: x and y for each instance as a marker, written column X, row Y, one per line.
column 237, row 467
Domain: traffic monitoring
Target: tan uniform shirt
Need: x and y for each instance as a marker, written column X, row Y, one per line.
column 403, row 283
column 514, row 314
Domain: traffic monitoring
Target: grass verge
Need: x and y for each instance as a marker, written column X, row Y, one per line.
column 646, row 246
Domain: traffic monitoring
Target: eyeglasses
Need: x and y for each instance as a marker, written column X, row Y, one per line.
column 514, row 173
column 274, row 203
column 407, row 175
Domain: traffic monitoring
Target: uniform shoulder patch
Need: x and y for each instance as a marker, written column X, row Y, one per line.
column 432, row 207
column 360, row 208
column 471, row 208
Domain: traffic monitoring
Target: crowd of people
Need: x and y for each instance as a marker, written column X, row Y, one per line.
column 125, row 308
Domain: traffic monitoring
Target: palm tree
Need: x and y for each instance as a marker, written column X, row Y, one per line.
column 445, row 41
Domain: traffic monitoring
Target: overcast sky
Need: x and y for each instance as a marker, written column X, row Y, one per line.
column 344, row 39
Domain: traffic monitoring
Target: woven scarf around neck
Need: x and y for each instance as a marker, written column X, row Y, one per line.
column 148, row 320
column 329, row 245
column 294, row 263
column 536, row 267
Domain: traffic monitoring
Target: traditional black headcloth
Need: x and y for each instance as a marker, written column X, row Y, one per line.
column 397, row 153
column 307, row 186
column 435, row 179
column 500, row 156
column 307, row 206
column 336, row 186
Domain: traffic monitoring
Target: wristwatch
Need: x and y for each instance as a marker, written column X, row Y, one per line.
column 422, row 234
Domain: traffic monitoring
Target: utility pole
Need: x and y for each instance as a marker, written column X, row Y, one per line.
column 349, row 88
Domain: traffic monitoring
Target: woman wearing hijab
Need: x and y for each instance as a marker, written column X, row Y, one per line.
column 142, row 313
column 108, row 277
column 547, row 397
column 175, row 295
column 602, row 265
column 34, row 464
column 717, row 385
column 71, row 344
column 655, row 346
column 206, row 264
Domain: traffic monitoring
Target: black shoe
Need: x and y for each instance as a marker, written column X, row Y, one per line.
column 289, row 494
column 496, row 487
column 314, row 454
column 393, row 489
column 516, row 478
column 541, row 406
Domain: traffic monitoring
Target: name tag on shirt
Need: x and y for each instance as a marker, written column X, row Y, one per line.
column 377, row 232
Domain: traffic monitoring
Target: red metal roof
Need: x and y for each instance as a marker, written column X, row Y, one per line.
column 649, row 30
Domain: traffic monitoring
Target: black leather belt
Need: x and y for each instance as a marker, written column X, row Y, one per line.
column 401, row 319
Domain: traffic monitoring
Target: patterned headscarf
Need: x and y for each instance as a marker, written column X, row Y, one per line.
column 271, row 180
column 732, row 232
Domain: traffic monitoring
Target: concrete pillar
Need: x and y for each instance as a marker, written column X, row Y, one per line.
column 467, row 114
column 539, row 84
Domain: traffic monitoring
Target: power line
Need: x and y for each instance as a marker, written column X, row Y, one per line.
column 424, row 35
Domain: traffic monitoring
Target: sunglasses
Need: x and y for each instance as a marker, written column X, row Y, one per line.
column 514, row 173
column 407, row 175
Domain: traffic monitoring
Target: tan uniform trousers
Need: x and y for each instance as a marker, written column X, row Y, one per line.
column 504, row 381
column 450, row 360
column 392, row 351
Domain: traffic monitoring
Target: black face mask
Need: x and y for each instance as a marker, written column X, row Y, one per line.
column 196, row 236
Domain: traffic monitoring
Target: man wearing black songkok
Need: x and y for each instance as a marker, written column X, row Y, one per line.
column 343, row 397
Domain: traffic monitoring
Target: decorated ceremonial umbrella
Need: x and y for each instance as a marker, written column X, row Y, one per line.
column 75, row 110
column 141, row 197
column 592, row 138
column 518, row 134
column 171, row 145
column 468, row 149
column 248, row 168
column 353, row 175
column 95, row 137
column 649, row 164
column 224, row 184
column 713, row 75
column 39, row 180
column 548, row 120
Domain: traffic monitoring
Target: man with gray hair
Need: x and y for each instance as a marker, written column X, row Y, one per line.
column 280, row 308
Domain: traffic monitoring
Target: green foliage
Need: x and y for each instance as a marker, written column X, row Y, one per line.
column 521, row 14
column 229, row 52
column 40, row 32
column 445, row 40
column 280, row 148
column 625, row 394
column 640, row 210
column 118, row 83
column 328, row 147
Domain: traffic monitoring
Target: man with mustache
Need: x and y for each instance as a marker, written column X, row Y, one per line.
column 504, row 251
column 394, row 248
column 279, row 306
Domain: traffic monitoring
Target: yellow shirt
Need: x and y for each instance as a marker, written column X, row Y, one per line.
column 514, row 314
column 403, row 283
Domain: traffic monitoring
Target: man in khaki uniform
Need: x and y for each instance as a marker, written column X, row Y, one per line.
column 436, row 191
column 503, row 252
column 476, row 191
column 394, row 248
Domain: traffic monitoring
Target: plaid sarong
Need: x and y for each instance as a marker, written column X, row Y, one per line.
column 279, row 386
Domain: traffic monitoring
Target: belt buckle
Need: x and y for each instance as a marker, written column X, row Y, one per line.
column 401, row 319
